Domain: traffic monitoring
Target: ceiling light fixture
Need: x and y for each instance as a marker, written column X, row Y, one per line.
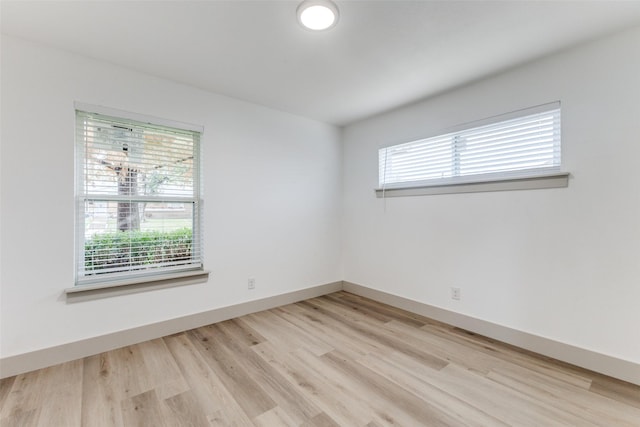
column 317, row 15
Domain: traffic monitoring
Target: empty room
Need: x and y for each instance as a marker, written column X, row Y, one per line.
column 319, row 213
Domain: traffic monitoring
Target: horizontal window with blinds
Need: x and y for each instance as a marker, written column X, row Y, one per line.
column 519, row 144
column 138, row 199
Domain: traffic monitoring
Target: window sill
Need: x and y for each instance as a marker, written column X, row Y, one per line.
column 551, row 180
column 128, row 286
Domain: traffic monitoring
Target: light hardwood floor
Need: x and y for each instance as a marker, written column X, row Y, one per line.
column 337, row 360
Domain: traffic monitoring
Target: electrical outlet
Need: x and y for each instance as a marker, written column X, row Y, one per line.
column 251, row 284
column 455, row 294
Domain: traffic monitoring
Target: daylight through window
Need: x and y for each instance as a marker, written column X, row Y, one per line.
column 518, row 144
column 139, row 204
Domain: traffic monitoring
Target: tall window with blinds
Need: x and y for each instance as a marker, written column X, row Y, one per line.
column 138, row 199
column 518, row 144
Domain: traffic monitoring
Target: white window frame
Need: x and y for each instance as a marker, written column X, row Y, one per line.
column 529, row 178
column 157, row 278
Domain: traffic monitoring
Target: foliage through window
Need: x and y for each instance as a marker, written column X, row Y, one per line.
column 518, row 144
column 138, row 194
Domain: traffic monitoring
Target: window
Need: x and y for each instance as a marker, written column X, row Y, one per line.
column 517, row 145
column 138, row 200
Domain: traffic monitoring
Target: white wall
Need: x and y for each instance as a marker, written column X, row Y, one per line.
column 561, row 263
column 272, row 184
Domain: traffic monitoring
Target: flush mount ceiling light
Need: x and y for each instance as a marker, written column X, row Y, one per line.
column 317, row 15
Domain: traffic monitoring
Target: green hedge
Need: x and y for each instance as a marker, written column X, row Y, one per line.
column 136, row 248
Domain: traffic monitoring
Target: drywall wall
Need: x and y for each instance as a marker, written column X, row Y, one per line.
column 272, row 184
column 560, row 263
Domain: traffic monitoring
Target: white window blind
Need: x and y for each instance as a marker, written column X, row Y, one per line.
column 138, row 199
column 517, row 144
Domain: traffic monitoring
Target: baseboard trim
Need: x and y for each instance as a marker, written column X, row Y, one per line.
column 601, row 363
column 604, row 364
column 25, row 362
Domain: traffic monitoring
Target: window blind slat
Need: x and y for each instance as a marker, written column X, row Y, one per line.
column 525, row 143
column 138, row 198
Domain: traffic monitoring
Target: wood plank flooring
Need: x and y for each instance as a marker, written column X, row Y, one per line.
column 336, row 360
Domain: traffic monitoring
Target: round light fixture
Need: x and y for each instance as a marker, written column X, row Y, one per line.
column 317, row 15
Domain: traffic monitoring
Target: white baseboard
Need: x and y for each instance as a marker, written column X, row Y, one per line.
column 25, row 362
column 604, row 364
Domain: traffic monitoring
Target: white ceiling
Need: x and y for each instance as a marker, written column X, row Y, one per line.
column 382, row 54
